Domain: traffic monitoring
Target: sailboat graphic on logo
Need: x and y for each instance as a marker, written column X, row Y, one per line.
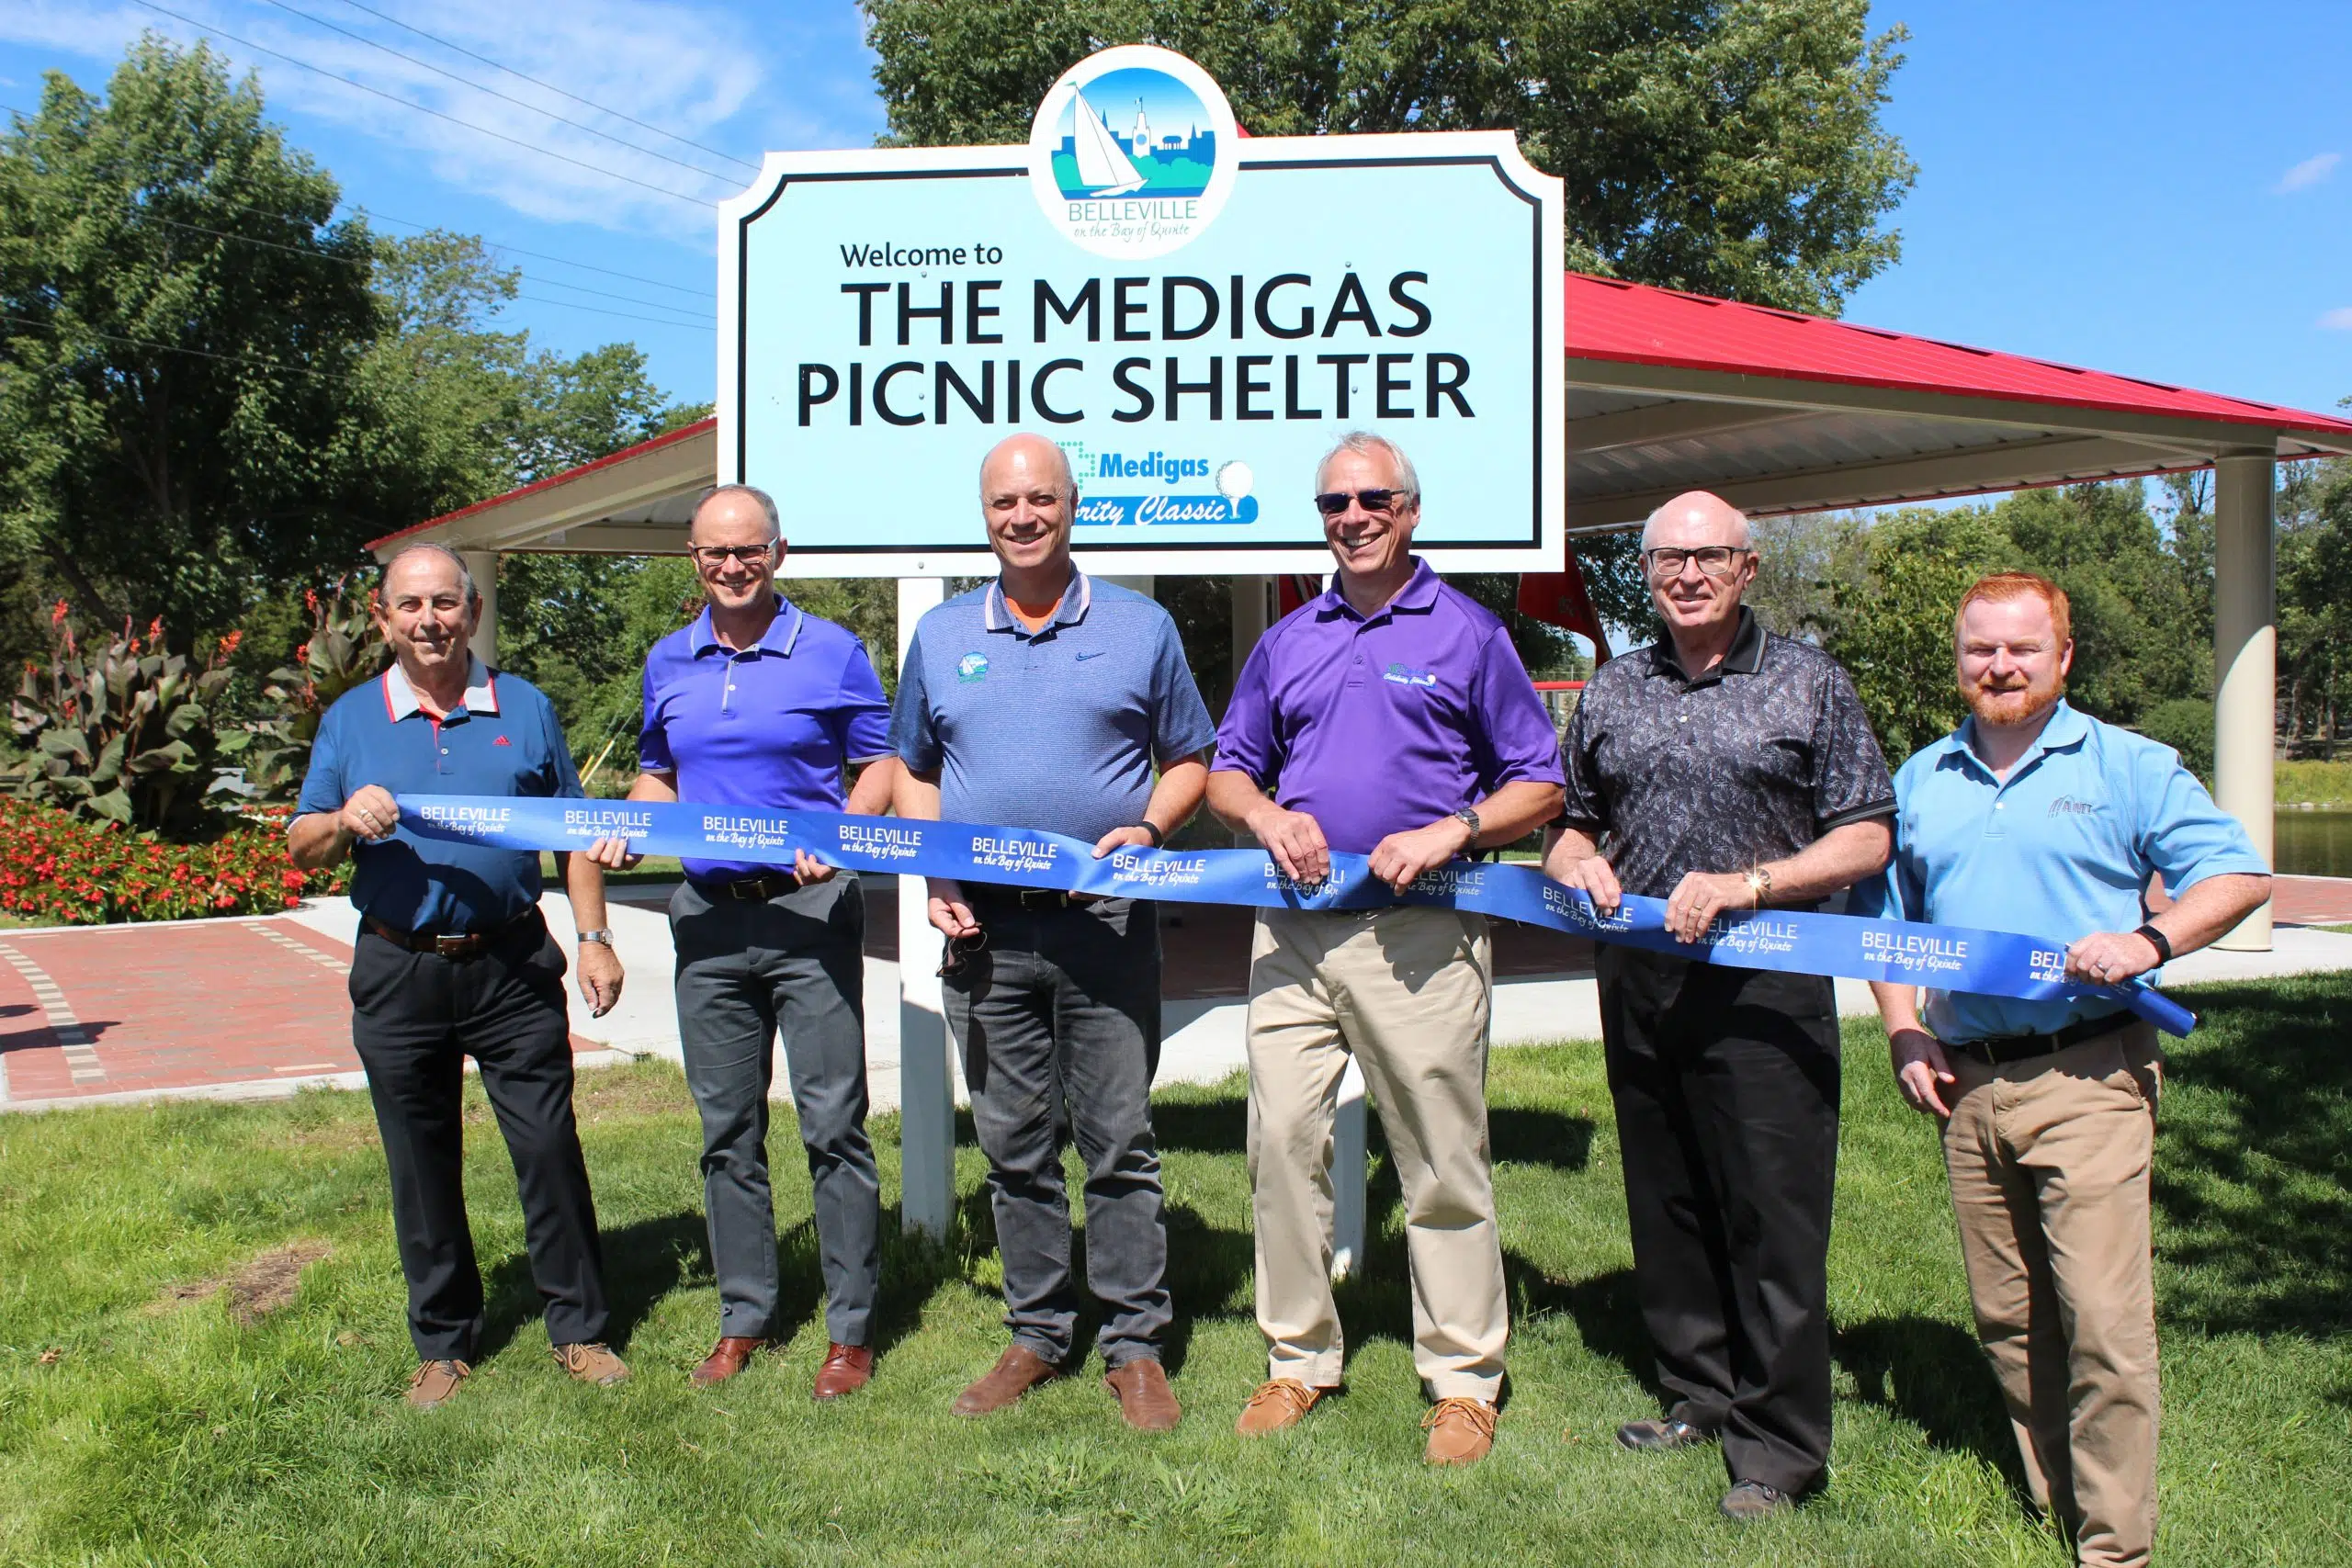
column 1104, row 167
column 1170, row 151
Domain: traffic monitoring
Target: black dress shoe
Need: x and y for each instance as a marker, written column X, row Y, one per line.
column 1657, row 1437
column 1754, row 1500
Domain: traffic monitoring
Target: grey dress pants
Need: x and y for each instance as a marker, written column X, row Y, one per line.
column 747, row 972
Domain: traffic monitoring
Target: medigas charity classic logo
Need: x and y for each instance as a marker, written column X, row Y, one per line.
column 1133, row 152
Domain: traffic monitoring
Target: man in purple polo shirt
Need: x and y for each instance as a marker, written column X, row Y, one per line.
column 760, row 703
column 1391, row 718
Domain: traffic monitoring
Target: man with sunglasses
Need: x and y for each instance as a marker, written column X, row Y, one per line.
column 1724, row 768
column 760, row 703
column 1044, row 700
column 1390, row 718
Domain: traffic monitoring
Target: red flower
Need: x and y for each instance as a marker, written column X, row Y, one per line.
column 57, row 614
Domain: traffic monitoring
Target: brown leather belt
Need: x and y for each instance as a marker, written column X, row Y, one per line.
column 2008, row 1048
column 473, row 944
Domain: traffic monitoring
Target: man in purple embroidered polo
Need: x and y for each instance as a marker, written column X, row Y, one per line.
column 1390, row 718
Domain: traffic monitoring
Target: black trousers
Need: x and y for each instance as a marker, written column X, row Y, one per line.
column 1725, row 1084
column 415, row 1018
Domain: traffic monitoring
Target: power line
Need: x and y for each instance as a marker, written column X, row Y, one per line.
column 175, row 348
column 624, row 315
column 505, row 98
column 534, row 81
column 421, row 108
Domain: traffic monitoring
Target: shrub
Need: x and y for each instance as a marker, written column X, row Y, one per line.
column 2185, row 724
column 57, row 869
column 345, row 650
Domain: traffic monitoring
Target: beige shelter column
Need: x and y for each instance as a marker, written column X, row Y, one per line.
column 2245, row 659
column 483, row 565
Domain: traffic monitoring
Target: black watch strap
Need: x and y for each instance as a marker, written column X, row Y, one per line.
column 1157, row 838
column 2157, row 940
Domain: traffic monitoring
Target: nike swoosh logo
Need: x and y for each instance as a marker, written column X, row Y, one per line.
column 1096, row 654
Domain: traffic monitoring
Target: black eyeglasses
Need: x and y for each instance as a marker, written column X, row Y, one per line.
column 961, row 948
column 1714, row 560
column 1330, row 503
column 709, row 556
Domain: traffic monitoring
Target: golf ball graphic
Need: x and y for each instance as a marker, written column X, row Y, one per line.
column 1234, row 480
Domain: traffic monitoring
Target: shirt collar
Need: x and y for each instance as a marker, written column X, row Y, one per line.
column 1419, row 593
column 1076, row 600
column 401, row 699
column 2068, row 727
column 782, row 635
column 1743, row 656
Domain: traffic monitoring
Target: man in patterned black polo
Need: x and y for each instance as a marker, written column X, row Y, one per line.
column 1723, row 769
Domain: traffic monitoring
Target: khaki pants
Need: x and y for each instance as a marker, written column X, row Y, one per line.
column 2049, row 1162
column 1407, row 991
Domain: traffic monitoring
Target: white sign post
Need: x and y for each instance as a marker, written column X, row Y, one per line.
column 1194, row 316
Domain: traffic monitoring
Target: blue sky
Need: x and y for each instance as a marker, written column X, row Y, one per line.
column 2162, row 188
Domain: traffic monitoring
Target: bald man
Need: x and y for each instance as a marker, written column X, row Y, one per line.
column 1725, row 768
column 1044, row 700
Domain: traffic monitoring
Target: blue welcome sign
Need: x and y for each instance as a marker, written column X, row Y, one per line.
column 1194, row 315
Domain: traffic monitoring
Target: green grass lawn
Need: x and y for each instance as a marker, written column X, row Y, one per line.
column 146, row 1416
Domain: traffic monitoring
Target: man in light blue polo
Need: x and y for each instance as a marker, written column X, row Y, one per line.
column 2038, row 818
column 1044, row 700
column 760, row 703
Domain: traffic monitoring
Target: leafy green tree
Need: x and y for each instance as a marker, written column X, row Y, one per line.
column 2314, row 611
column 1892, row 619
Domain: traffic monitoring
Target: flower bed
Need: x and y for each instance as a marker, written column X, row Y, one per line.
column 58, row 870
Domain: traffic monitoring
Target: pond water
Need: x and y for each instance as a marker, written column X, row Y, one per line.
column 2314, row 843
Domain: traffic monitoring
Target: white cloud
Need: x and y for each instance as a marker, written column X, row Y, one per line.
column 2338, row 320
column 2308, row 173
column 687, row 68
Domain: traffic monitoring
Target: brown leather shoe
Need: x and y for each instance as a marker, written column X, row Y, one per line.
column 1277, row 1406
column 847, row 1369
column 1146, row 1402
column 1016, row 1371
column 730, row 1355
column 432, row 1384
column 1461, row 1431
column 592, row 1362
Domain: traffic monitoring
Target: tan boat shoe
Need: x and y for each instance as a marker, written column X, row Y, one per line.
column 1461, row 1431
column 432, row 1384
column 592, row 1362
column 1277, row 1406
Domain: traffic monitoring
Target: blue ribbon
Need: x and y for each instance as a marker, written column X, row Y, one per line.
column 1952, row 958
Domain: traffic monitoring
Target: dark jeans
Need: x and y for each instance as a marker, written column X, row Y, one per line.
column 748, row 972
column 415, row 1018
column 1725, row 1084
column 1059, row 1019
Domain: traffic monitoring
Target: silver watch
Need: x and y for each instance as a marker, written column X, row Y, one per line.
column 601, row 934
column 1469, row 819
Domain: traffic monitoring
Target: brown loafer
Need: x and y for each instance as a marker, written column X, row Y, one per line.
column 847, row 1369
column 592, row 1362
column 730, row 1355
column 1146, row 1402
column 1277, row 1406
column 1016, row 1371
column 1461, row 1431
column 432, row 1384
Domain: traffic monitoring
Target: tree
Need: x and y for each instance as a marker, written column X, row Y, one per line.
column 1891, row 618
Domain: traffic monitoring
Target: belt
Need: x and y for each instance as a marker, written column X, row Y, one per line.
column 473, row 944
column 749, row 889
column 982, row 894
column 2000, row 1051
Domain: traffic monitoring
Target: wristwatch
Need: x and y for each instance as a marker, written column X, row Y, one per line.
column 1469, row 819
column 1760, row 885
column 1149, row 826
column 601, row 933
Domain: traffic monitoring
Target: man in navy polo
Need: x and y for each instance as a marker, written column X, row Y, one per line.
column 1391, row 718
column 1044, row 700
column 2034, row 817
column 760, row 703
column 453, row 960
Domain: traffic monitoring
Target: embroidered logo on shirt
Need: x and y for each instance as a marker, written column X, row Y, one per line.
column 502, row 740
column 972, row 667
column 1404, row 675
column 2067, row 805
column 1096, row 654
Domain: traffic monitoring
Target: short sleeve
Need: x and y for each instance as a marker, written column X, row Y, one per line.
column 914, row 731
column 324, row 787
column 1515, row 727
column 2181, row 832
column 861, row 714
column 1585, row 802
column 1850, row 777
column 1245, row 742
column 1898, row 892
column 1181, row 727
column 653, row 754
column 563, row 776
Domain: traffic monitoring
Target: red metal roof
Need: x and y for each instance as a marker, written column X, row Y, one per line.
column 1639, row 324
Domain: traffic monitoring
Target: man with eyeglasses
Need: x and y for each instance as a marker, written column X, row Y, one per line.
column 760, row 703
column 1390, row 718
column 1724, row 768
column 1044, row 700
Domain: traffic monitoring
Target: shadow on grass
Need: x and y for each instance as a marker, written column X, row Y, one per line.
column 1934, row 1375
column 2254, row 1160
column 1606, row 1309
column 644, row 1261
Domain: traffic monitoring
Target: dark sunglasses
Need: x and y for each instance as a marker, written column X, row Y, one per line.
column 959, row 949
column 1330, row 503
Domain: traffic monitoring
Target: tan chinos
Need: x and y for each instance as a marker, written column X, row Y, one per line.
column 2049, row 1160
column 1406, row 991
